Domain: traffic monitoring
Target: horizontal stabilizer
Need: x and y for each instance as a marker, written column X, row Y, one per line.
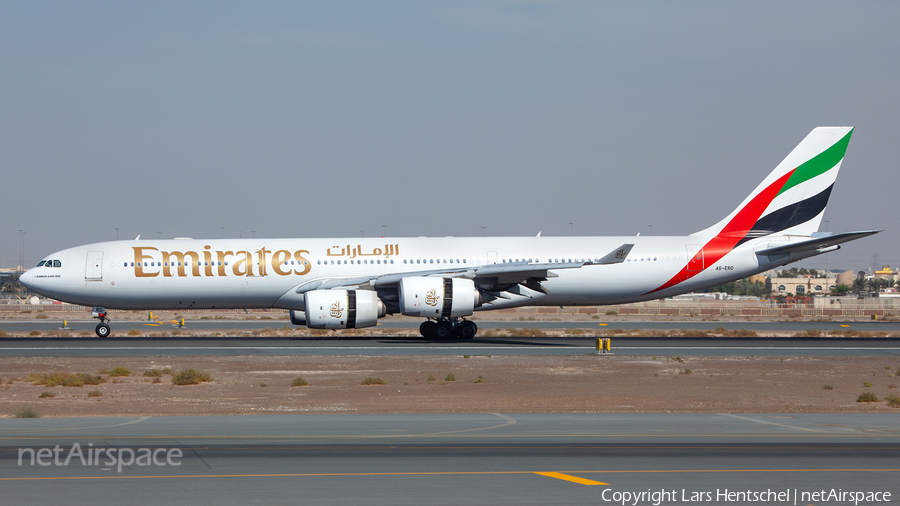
column 817, row 243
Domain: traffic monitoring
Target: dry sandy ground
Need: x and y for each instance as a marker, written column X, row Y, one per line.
column 254, row 385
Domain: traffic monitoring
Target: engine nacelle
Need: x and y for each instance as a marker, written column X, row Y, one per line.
column 297, row 317
column 340, row 309
column 438, row 297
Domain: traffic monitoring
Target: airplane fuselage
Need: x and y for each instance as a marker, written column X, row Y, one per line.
column 256, row 273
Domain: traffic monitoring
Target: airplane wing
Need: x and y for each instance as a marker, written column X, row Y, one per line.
column 817, row 242
column 506, row 273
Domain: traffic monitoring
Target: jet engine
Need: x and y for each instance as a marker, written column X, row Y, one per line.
column 340, row 309
column 438, row 297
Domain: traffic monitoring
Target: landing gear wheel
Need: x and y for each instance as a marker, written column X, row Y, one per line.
column 467, row 330
column 102, row 330
column 443, row 330
column 427, row 328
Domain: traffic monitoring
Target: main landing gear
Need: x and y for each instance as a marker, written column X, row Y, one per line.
column 446, row 328
column 102, row 329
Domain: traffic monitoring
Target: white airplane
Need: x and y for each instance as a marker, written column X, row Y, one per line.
column 351, row 283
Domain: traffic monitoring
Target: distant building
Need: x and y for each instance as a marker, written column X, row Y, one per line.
column 803, row 285
column 886, row 273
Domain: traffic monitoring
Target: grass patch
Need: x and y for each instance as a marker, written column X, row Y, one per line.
column 450, row 377
column 299, row 382
column 466, row 356
column 95, row 393
column 157, row 373
column 26, row 412
column 893, row 400
column 64, row 379
column 867, row 397
column 611, row 313
column 119, row 372
column 373, row 381
column 734, row 333
column 46, row 395
column 867, row 384
column 190, row 377
column 479, row 380
column 827, row 387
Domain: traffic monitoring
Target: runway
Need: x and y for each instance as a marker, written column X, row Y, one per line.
column 502, row 458
column 236, row 327
column 385, row 346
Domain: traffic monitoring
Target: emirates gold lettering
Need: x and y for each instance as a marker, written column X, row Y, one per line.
column 140, row 259
column 149, row 262
column 207, row 261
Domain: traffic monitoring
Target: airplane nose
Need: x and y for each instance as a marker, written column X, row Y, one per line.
column 27, row 279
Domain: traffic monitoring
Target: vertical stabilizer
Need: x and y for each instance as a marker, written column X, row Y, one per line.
column 792, row 199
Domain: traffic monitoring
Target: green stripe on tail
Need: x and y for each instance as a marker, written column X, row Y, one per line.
column 819, row 164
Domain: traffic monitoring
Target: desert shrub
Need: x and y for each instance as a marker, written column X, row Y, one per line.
column 373, row 381
column 867, row 397
column 466, row 356
column 827, row 387
column 867, row 384
column 450, row 377
column 299, row 382
column 26, row 412
column 157, row 380
column 263, row 385
column 134, row 332
column 431, row 378
column 33, row 333
column 687, row 372
column 120, row 371
column 893, row 400
column 611, row 313
column 479, row 380
column 153, row 373
column 64, row 379
column 2, row 334
column 46, row 395
column 95, row 393
column 678, row 359
column 695, row 333
column 809, row 333
column 190, row 377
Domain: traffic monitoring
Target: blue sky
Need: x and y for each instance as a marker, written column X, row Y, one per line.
column 296, row 119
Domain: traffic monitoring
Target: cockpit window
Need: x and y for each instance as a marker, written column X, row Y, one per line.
column 57, row 263
column 42, row 263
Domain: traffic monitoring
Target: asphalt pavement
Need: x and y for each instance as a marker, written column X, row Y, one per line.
column 499, row 458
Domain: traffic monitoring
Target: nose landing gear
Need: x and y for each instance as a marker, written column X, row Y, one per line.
column 103, row 329
column 445, row 328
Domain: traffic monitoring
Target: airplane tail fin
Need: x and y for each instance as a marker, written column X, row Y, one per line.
column 792, row 199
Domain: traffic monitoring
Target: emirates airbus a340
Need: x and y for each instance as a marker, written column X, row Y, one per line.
column 351, row 283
